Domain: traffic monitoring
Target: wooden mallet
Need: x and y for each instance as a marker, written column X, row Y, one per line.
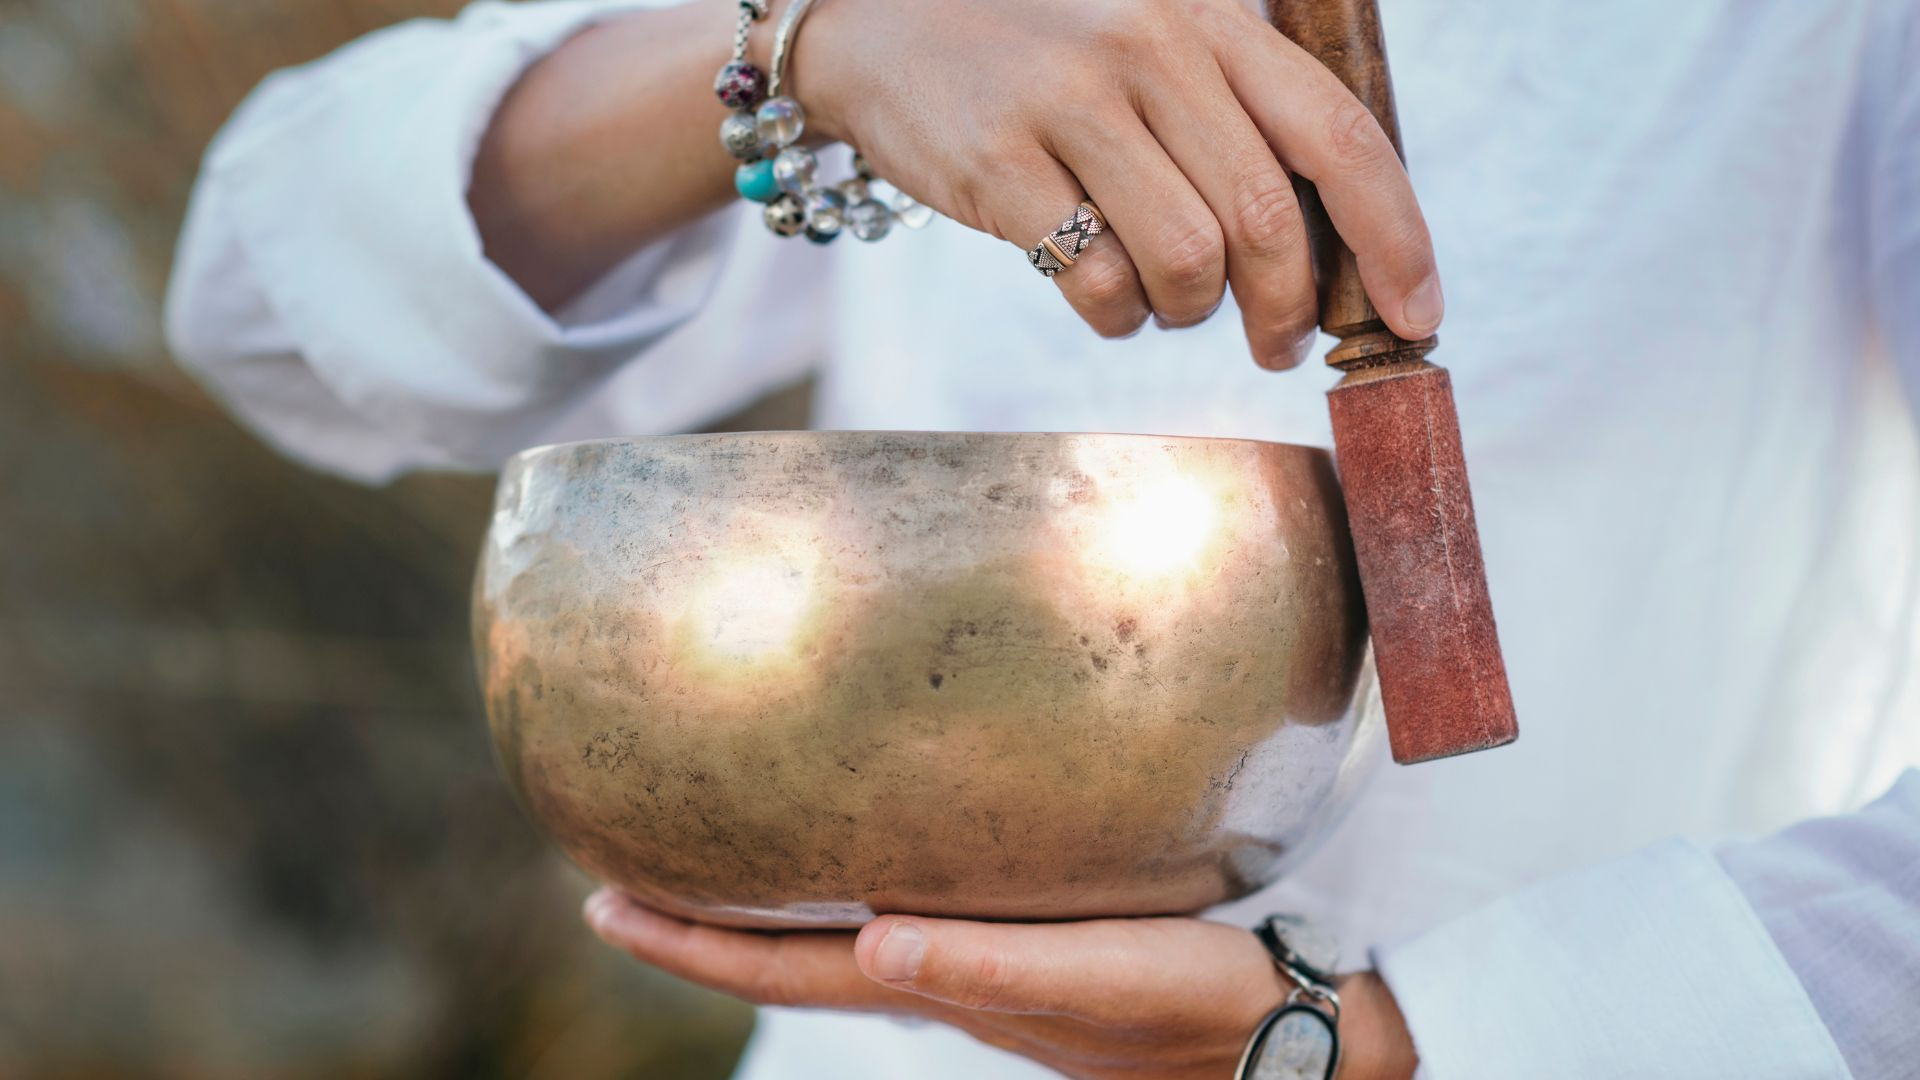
column 1397, row 441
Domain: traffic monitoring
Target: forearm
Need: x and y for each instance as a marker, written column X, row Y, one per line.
column 605, row 145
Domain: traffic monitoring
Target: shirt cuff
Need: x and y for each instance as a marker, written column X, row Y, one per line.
column 1652, row 966
column 349, row 202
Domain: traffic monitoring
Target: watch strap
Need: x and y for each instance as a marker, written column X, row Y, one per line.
column 1299, row 1040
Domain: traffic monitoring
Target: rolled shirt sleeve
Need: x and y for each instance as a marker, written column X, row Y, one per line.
column 1892, row 204
column 1794, row 956
column 1840, row 898
column 330, row 284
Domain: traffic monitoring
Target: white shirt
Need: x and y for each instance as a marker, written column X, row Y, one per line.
column 1681, row 248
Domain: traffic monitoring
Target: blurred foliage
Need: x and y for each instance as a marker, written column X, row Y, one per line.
column 249, row 821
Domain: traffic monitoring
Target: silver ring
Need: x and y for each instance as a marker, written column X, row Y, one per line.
column 1061, row 248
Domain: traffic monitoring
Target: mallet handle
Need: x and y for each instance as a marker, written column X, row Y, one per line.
column 1345, row 36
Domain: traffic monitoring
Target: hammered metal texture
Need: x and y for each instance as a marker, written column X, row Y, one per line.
column 796, row 678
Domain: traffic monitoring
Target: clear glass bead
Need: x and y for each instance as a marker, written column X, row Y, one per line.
column 793, row 170
column 785, row 216
column 740, row 135
column 869, row 219
column 910, row 211
column 854, row 191
column 781, row 121
column 826, row 213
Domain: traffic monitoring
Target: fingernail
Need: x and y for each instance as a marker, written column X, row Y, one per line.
column 1165, row 323
column 597, row 908
column 1292, row 355
column 898, row 957
column 1424, row 306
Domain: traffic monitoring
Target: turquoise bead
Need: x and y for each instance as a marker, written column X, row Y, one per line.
column 755, row 181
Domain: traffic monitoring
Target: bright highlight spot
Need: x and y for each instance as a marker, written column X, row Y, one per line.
column 753, row 606
column 1161, row 526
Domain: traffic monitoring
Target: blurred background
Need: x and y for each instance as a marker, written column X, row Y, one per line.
column 249, row 821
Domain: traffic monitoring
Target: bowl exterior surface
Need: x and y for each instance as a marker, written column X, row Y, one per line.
column 800, row 678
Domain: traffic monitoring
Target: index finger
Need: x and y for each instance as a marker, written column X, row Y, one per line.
column 1323, row 133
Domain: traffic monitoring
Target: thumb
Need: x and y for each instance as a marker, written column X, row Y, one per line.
column 985, row 966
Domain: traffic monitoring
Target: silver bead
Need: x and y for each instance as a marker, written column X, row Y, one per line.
column 793, row 170
column 740, row 135
column 785, row 216
column 781, row 120
column 854, row 191
column 910, row 211
column 826, row 213
column 869, row 219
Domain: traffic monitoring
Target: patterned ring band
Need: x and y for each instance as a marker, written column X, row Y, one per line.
column 1061, row 248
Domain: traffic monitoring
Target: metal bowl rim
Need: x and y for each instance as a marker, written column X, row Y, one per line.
column 851, row 434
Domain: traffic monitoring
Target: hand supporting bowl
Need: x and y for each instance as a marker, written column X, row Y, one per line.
column 800, row 678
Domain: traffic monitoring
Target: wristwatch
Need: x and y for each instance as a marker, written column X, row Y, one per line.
column 1300, row 1040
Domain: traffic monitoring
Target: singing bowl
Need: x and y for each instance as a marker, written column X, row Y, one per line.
column 801, row 678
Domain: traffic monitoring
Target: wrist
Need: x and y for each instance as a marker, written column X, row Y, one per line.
column 1374, row 1041
column 821, row 65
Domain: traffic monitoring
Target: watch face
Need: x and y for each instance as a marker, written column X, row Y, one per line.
column 1299, row 1044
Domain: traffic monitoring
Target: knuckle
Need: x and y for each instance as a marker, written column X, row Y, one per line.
column 771, row 985
column 1268, row 216
column 1411, row 247
column 1089, row 90
column 1356, row 139
column 1001, row 163
column 1193, row 258
column 1106, row 287
column 1125, row 30
column 985, row 981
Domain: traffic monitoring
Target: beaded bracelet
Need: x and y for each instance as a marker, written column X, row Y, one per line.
column 766, row 122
